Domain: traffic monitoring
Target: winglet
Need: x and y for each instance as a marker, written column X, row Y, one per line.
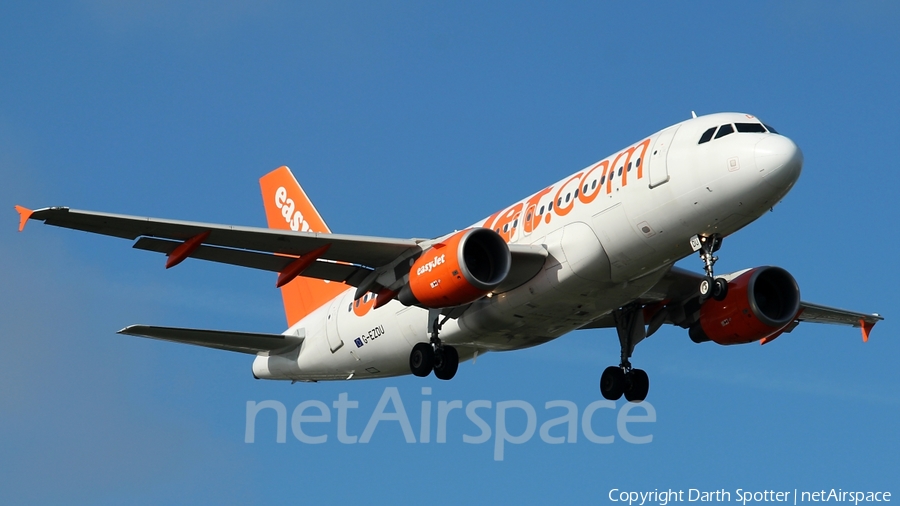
column 866, row 329
column 24, row 214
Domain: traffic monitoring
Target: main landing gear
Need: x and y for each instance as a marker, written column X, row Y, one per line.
column 710, row 286
column 434, row 356
column 623, row 379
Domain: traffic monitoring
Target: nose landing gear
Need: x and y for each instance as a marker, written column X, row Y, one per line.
column 710, row 286
column 434, row 356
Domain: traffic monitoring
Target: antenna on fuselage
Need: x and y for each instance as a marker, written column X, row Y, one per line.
column 693, row 114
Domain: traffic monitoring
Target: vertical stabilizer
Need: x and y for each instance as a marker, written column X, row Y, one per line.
column 288, row 208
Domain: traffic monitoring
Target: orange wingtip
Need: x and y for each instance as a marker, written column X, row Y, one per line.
column 24, row 214
column 866, row 329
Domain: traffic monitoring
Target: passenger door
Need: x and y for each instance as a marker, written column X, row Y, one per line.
column 659, row 173
column 331, row 329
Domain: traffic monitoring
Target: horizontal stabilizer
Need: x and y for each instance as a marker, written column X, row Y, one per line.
column 242, row 342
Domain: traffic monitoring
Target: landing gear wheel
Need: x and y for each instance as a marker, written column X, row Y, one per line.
column 637, row 384
column 706, row 286
column 446, row 363
column 421, row 359
column 612, row 383
column 719, row 289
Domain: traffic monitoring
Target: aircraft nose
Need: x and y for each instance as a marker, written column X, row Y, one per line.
column 778, row 160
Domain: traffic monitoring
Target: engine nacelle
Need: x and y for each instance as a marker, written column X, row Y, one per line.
column 760, row 303
column 458, row 270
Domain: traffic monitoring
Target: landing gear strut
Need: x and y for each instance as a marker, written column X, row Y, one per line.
column 710, row 286
column 434, row 355
column 623, row 379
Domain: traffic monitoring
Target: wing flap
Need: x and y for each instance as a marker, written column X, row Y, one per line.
column 242, row 342
column 360, row 250
column 331, row 271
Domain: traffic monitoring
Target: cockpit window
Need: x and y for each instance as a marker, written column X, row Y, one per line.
column 750, row 128
column 707, row 135
column 730, row 129
column 724, row 130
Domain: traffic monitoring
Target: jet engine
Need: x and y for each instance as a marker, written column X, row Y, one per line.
column 458, row 270
column 760, row 303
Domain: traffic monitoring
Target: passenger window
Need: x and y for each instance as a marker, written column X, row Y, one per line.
column 629, row 166
column 637, row 163
column 593, row 184
column 724, row 130
column 568, row 195
column 576, row 193
column 542, row 211
column 620, row 171
column 707, row 135
column 584, row 190
column 550, row 206
column 754, row 128
column 770, row 129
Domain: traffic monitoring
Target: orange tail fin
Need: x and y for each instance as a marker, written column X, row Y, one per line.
column 288, row 208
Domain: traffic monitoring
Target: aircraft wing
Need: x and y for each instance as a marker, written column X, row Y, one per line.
column 346, row 258
column 679, row 289
column 243, row 342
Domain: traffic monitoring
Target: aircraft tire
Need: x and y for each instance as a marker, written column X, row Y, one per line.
column 720, row 289
column 637, row 385
column 706, row 286
column 612, row 383
column 447, row 366
column 421, row 359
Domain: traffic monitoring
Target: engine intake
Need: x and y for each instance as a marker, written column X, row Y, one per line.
column 760, row 303
column 461, row 269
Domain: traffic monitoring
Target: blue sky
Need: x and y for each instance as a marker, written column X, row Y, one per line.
column 410, row 120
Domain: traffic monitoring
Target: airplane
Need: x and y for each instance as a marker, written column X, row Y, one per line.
column 595, row 249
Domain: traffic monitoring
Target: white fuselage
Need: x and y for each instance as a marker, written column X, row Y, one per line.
column 609, row 239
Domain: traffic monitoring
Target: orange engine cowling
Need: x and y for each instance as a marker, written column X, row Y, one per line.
column 458, row 270
column 760, row 303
